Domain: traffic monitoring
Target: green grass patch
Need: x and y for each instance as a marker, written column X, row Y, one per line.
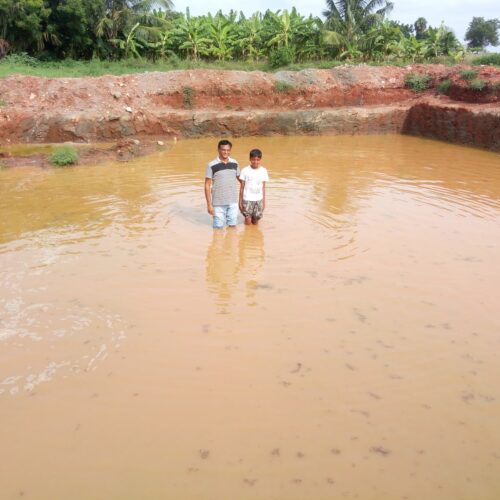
column 69, row 68
column 3, row 102
column 24, row 64
column 283, row 87
column 63, row 156
column 477, row 84
column 444, row 86
column 468, row 74
column 488, row 59
column 417, row 82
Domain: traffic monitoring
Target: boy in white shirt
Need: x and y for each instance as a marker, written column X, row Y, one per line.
column 253, row 180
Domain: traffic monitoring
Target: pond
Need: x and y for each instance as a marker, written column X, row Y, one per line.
column 345, row 347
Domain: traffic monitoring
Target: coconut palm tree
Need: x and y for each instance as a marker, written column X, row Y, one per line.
column 123, row 14
column 350, row 20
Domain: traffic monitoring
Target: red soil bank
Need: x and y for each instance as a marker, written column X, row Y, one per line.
column 344, row 100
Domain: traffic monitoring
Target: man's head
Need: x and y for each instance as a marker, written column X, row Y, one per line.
column 224, row 148
column 255, row 157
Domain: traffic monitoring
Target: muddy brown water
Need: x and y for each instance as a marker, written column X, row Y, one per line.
column 346, row 348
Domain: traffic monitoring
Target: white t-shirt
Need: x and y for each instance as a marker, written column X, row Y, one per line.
column 253, row 177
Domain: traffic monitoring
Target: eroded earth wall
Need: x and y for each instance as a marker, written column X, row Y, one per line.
column 343, row 100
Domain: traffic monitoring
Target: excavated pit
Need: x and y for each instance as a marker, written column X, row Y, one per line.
column 344, row 100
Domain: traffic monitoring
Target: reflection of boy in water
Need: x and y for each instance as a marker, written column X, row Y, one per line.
column 253, row 180
column 251, row 258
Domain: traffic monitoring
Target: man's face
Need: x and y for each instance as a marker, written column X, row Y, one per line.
column 255, row 161
column 224, row 151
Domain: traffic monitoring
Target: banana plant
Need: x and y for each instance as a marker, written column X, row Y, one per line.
column 130, row 44
column 250, row 37
column 221, row 35
column 192, row 35
column 282, row 29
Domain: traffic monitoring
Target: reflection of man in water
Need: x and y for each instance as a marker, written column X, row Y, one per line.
column 222, row 264
column 233, row 257
column 221, row 188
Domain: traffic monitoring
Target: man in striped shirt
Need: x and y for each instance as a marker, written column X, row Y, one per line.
column 220, row 187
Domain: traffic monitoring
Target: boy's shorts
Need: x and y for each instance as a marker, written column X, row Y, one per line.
column 253, row 209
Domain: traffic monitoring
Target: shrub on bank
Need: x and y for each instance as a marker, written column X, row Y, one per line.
column 283, row 56
column 477, row 84
column 188, row 94
column 63, row 156
column 283, row 87
column 468, row 74
column 417, row 82
column 444, row 86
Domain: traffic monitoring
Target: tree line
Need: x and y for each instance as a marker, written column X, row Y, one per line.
column 351, row 30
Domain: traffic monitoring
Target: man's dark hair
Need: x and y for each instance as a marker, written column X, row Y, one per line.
column 256, row 153
column 224, row 142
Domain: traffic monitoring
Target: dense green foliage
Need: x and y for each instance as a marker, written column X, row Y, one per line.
column 63, row 156
column 152, row 33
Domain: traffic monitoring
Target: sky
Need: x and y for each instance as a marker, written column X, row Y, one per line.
column 457, row 14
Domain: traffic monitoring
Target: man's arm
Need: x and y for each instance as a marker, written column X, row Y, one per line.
column 208, row 195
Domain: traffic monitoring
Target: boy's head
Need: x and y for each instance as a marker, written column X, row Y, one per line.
column 255, row 158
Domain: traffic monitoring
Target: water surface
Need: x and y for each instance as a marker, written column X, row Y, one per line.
column 347, row 347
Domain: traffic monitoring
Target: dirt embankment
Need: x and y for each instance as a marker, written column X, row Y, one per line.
column 347, row 100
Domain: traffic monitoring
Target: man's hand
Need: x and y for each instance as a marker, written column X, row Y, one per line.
column 208, row 195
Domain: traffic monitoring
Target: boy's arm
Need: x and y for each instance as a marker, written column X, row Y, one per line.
column 208, row 195
column 242, row 188
column 263, row 196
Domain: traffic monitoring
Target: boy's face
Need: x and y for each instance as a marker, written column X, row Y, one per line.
column 255, row 161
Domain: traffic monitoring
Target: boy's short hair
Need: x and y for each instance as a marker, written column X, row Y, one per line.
column 255, row 153
column 225, row 142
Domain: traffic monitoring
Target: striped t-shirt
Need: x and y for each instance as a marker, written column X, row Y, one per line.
column 223, row 175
